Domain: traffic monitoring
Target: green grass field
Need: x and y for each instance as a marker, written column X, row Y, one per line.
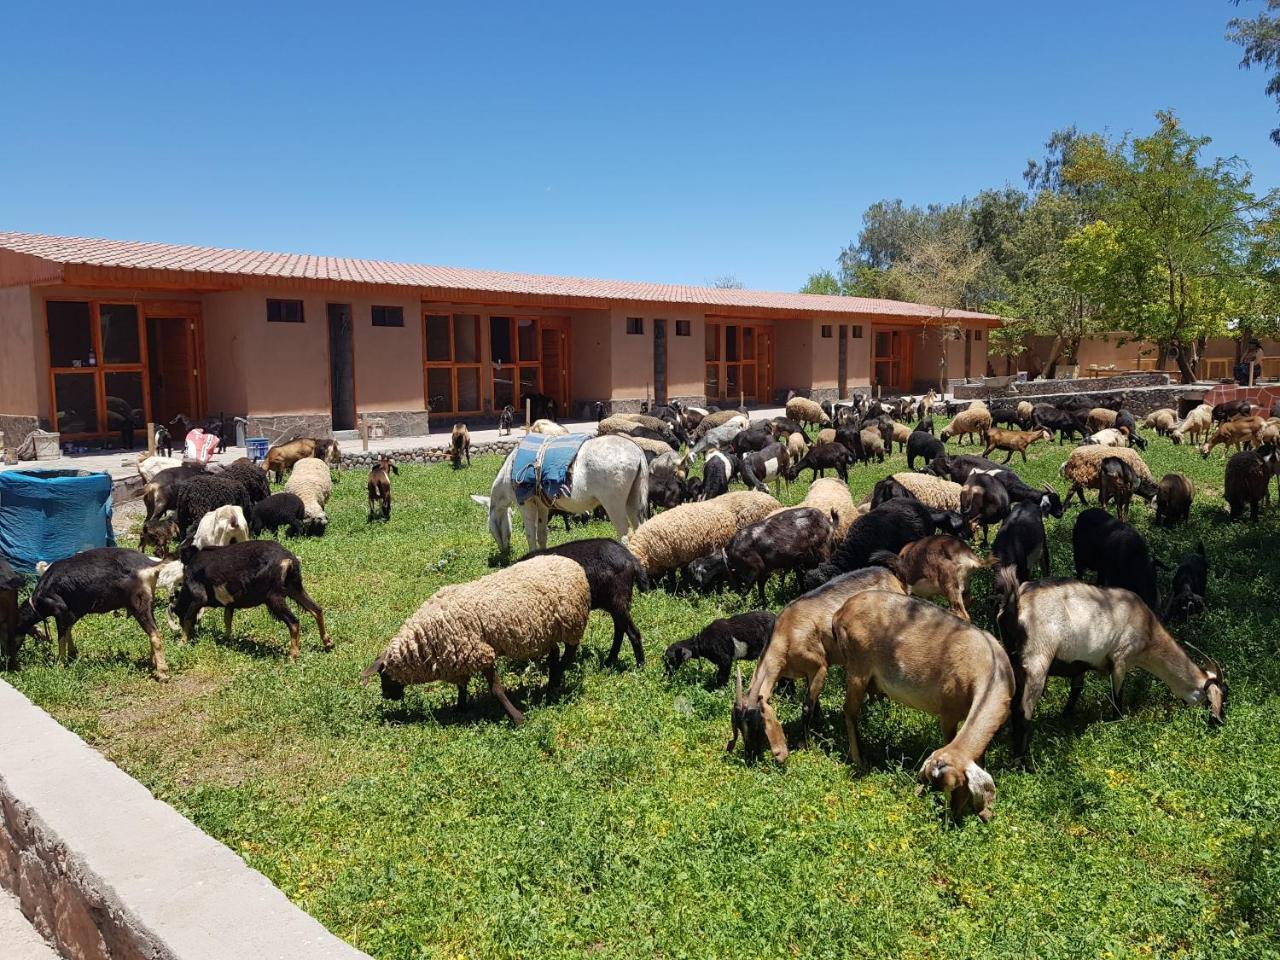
column 614, row 824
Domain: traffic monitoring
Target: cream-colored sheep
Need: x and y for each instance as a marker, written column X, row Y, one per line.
column 797, row 446
column 1110, row 437
column 747, row 506
column 831, row 495
column 1100, row 418
column 872, row 443
column 803, row 410
column 935, row 492
column 1162, row 420
column 713, row 420
column 649, row 445
column 1025, row 410
column 825, row 435
column 901, row 434
column 149, row 464
column 548, row 428
column 617, row 424
column 976, row 420
column 1270, row 432
column 310, row 480
column 1082, row 466
column 524, row 612
column 1198, row 424
column 671, row 540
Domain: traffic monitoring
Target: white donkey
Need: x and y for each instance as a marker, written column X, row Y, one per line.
column 608, row 471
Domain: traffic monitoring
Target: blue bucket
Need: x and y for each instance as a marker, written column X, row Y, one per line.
column 257, row 448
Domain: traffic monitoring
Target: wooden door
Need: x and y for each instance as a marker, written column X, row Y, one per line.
column 555, row 362
column 891, row 367
column 171, row 355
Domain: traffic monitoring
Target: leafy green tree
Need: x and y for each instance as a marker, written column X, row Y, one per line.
column 1260, row 38
column 824, row 282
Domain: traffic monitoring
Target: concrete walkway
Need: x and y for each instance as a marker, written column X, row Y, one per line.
column 18, row 939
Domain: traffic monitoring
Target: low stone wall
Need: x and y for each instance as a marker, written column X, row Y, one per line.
column 16, row 429
column 357, row 459
column 403, row 423
column 1041, row 388
column 291, row 427
column 1137, row 400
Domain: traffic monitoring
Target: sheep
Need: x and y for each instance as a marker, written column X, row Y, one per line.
column 794, row 540
column 1241, row 432
column 924, row 445
column 984, row 501
column 825, row 435
column 784, row 427
column 820, row 458
column 723, row 641
column 613, row 574
column 671, row 540
column 718, row 472
column 653, row 428
column 901, row 434
column 872, row 443
column 547, row 428
column 283, row 457
column 251, row 573
column 1117, row 481
column 931, row 491
column 652, row 448
column 249, row 475
column 805, row 411
column 279, row 510
column 797, row 446
column 198, row 495
column 974, row 421
column 100, row 580
column 158, row 536
column 1026, row 410
column 1110, row 437
column 523, row 612
column 459, row 445
column 748, row 506
column 1082, row 466
column 1065, row 628
column 890, row 526
column 1174, row 494
column 1247, row 480
column 150, row 464
column 1116, row 551
column 718, row 418
column 161, row 492
column 1190, row 586
column 1021, row 541
column 218, row 528
column 760, row 466
column 1196, row 425
column 832, row 498
column 310, row 481
column 921, row 656
column 11, row 583
column 1162, row 421
column 1100, row 418
column 1270, row 432
column 800, row 648
column 379, row 487
column 1014, row 441
column 936, row 566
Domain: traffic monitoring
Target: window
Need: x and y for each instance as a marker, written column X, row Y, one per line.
column 635, row 326
column 977, row 334
column 388, row 316
column 857, row 331
column 284, row 311
column 682, row 328
column 451, row 344
column 95, row 359
column 826, row 331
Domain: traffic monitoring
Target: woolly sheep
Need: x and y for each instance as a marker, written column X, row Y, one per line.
column 1100, row 418
column 1162, row 420
column 931, row 491
column 1025, row 409
column 548, row 428
column 310, row 481
column 1197, row 424
column 151, row 464
column 717, row 419
column 204, row 492
column 831, row 496
column 249, row 475
column 803, row 410
column 523, row 612
column 796, row 445
column 656, row 448
column 1082, row 467
column 1110, row 437
column 974, row 420
column 747, row 506
column 675, row 538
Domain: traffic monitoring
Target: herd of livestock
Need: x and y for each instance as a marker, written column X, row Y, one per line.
column 666, row 481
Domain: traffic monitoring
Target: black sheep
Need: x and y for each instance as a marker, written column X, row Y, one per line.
column 822, row 457
column 1247, row 479
column 794, row 540
column 276, row 511
column 101, row 580
column 1021, row 543
column 159, row 495
column 250, row 476
column 10, row 583
column 1116, row 551
column 251, row 573
column 925, row 445
column 850, row 437
column 198, row 495
column 890, row 526
column 614, row 574
column 740, row 637
column 756, row 437
column 1190, row 586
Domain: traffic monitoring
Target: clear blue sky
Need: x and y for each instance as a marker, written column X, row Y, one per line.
column 653, row 141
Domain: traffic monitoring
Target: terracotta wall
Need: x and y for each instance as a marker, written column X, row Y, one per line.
column 19, row 365
column 794, row 345
column 591, row 356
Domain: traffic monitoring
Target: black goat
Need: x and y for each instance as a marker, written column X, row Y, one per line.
column 1020, row 543
column 158, row 536
column 924, row 445
column 278, row 510
column 890, row 526
column 1231, row 408
column 251, row 573
column 1065, row 423
column 740, row 637
column 1116, row 551
column 613, row 574
column 164, row 442
column 822, row 457
column 160, row 494
column 1190, row 586
column 709, row 573
column 756, row 437
column 1174, row 494
column 795, row 540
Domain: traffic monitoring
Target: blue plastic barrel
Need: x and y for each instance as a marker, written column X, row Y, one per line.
column 257, row 448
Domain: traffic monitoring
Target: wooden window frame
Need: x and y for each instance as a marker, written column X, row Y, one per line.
column 826, row 331
column 856, row 333
column 718, row 329
column 452, row 364
column 684, row 328
column 302, row 309
column 635, row 326
column 520, row 362
column 99, row 370
column 373, row 315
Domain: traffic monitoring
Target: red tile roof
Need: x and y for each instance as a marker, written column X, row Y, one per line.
column 213, row 262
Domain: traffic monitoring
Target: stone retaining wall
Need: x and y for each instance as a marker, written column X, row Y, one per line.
column 365, row 459
column 1041, row 388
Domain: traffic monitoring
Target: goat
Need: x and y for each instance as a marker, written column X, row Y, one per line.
column 161, row 493
column 1241, row 432
column 218, row 528
column 1118, row 481
column 924, row 445
column 1247, row 480
column 1116, row 551
column 919, row 655
column 1190, row 586
column 163, row 441
column 1229, row 409
column 379, row 487
column 508, row 415
column 279, row 510
column 820, row 458
column 937, row 566
column 984, row 501
column 1065, row 423
column 794, row 540
column 723, row 641
column 760, row 466
column 718, row 472
column 890, row 526
column 283, row 457
column 1014, row 441
column 1066, row 628
column 1021, row 541
column 460, row 445
column 158, row 536
column 1174, row 494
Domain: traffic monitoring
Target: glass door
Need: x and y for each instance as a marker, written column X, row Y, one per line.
column 97, row 369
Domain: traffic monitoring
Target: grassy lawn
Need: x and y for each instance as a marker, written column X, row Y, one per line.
column 614, row 824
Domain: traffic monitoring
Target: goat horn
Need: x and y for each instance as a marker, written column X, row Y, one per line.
column 739, row 683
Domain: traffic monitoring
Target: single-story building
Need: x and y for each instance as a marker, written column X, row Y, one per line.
column 101, row 334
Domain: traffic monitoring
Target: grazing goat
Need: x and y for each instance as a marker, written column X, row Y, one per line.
column 218, row 528
column 1116, row 551
column 794, row 540
column 161, row 492
column 100, row 580
column 460, row 445
column 919, row 655
column 1190, row 586
column 890, row 526
column 1066, row 628
column 1241, row 432
column 1021, row 542
column 1118, row 482
column 1014, row 441
column 1229, row 409
column 984, row 501
column 279, row 510
column 158, row 536
column 379, row 487
column 924, row 445
column 760, row 466
column 719, row 470
column 1248, row 479
column 1065, row 423
column 723, row 641
column 252, row 573
column 937, row 566
column 820, row 458
column 1174, row 494
column 283, row 457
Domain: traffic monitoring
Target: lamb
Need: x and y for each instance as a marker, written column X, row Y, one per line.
column 761, row 466
column 218, row 528
column 1197, row 425
column 921, row 656
column 800, row 648
column 984, row 500
column 1065, row 628
column 547, row 428
column 1162, row 421
column 794, row 540
column 832, row 498
column 936, row 566
column 379, row 487
column 890, row 526
column 524, row 612
column 310, row 481
column 459, row 445
column 820, row 458
column 1241, row 432
column 872, row 443
column 100, row 580
column 1247, row 480
column 1014, row 441
column 1083, row 465
column 924, row 445
column 1174, row 494
column 250, row 476
column 198, row 495
column 283, row 457
column 1100, row 418
column 1021, row 541
column 797, row 446
column 1190, row 586
column 1117, row 481
column 974, row 421
column 1118, row 552
column 718, row 472
column 158, row 536
column 806, row 411
column 251, row 573
column 161, row 492
column 279, row 510
column 613, row 573
column 740, row 637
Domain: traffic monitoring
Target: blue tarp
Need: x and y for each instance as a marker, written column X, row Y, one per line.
column 51, row 514
column 549, row 477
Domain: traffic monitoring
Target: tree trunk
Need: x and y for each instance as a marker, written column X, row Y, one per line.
column 1162, row 355
column 1184, row 364
column 1051, row 364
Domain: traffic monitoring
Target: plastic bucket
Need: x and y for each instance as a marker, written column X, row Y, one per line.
column 257, row 448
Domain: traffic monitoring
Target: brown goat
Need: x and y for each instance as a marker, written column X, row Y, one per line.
column 1241, row 432
column 460, row 445
column 283, row 457
column 919, row 655
column 380, row 487
column 1013, row 441
column 158, row 536
column 937, row 566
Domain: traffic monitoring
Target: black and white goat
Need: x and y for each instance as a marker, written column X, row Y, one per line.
column 740, row 637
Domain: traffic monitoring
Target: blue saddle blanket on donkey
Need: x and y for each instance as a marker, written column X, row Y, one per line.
column 541, row 466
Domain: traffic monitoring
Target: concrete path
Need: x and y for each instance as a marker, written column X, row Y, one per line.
column 18, row 939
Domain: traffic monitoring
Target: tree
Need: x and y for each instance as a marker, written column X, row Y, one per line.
column 824, row 282
column 1260, row 38
column 937, row 267
column 727, row 281
column 1170, row 251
